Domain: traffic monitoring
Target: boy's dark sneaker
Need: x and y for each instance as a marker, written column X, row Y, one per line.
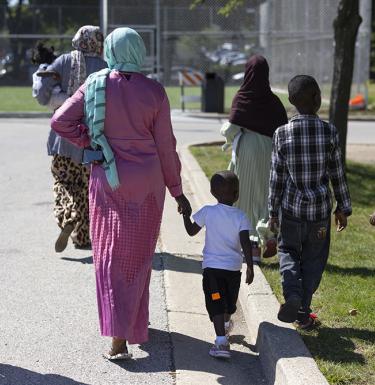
column 311, row 323
column 289, row 310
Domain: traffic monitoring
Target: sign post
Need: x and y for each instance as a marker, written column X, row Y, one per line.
column 182, row 91
column 189, row 78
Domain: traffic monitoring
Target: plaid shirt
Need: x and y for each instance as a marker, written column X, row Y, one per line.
column 305, row 157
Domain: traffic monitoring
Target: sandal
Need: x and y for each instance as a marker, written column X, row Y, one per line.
column 62, row 240
column 117, row 357
column 119, row 351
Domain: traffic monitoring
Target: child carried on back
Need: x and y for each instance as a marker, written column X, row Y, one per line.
column 227, row 231
column 43, row 57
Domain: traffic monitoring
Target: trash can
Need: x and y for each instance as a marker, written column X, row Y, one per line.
column 212, row 93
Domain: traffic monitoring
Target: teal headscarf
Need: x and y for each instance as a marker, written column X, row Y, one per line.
column 124, row 50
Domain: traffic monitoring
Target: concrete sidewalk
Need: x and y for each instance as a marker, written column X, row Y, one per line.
column 191, row 331
column 283, row 358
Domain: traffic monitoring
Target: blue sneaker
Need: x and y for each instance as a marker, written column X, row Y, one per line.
column 220, row 351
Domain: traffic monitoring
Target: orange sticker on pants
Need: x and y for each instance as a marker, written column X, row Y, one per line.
column 215, row 296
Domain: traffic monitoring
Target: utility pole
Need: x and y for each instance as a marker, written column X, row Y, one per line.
column 158, row 42
column 104, row 16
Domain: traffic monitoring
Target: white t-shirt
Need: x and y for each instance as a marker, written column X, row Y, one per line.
column 222, row 249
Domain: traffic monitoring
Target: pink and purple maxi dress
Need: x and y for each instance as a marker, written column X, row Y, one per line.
column 125, row 223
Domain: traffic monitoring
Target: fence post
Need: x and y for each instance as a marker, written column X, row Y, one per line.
column 182, row 96
column 104, row 16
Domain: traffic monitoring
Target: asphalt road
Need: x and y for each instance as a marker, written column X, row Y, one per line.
column 190, row 129
column 48, row 320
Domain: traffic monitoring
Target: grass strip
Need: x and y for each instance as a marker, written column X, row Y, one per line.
column 344, row 345
column 19, row 99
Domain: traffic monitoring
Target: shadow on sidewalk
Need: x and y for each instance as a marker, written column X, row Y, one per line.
column 194, row 357
column 84, row 261
column 178, row 262
column 161, row 261
column 14, row 375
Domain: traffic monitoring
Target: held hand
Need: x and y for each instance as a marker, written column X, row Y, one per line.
column 273, row 224
column 183, row 205
column 372, row 218
column 340, row 220
column 249, row 275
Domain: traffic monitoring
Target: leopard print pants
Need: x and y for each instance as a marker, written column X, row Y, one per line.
column 71, row 197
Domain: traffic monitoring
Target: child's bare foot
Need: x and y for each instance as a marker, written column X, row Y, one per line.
column 271, row 248
column 119, row 350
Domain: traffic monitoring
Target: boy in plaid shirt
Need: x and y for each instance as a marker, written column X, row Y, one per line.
column 305, row 158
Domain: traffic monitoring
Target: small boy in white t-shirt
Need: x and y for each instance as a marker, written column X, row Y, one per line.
column 227, row 232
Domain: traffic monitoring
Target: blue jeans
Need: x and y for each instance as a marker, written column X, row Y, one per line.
column 303, row 254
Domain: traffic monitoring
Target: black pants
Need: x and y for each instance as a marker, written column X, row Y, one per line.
column 221, row 289
column 303, row 254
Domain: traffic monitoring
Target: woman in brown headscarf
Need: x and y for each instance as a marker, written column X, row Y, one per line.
column 255, row 115
column 71, row 178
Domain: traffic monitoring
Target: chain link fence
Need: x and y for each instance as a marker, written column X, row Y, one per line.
column 197, row 39
column 54, row 25
column 296, row 36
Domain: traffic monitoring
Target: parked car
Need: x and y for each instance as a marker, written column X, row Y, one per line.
column 6, row 64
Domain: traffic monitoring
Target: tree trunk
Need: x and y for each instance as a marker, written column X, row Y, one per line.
column 346, row 27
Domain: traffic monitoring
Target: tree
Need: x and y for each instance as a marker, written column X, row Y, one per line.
column 227, row 6
column 41, row 17
column 17, row 20
column 372, row 51
column 346, row 27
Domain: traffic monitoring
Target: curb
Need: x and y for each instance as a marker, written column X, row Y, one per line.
column 189, row 114
column 284, row 357
column 25, row 115
column 200, row 115
column 225, row 116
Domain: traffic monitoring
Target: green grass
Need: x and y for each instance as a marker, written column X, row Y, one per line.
column 344, row 345
column 19, row 99
column 371, row 93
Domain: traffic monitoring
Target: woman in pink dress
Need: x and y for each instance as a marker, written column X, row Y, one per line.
column 127, row 116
